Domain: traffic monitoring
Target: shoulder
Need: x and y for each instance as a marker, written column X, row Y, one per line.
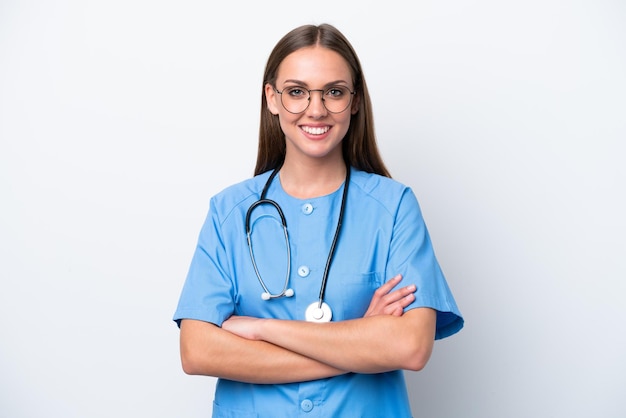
column 386, row 191
column 238, row 194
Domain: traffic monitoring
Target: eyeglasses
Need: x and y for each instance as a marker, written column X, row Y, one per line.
column 296, row 99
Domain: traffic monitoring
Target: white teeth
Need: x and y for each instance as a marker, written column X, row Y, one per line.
column 315, row 131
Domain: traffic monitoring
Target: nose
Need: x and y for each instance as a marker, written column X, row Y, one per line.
column 316, row 106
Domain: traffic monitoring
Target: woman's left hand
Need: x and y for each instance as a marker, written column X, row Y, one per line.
column 386, row 302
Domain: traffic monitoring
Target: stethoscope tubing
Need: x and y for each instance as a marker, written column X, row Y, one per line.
column 331, row 253
column 260, row 202
column 264, row 201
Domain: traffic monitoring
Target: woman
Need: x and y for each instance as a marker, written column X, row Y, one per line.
column 337, row 289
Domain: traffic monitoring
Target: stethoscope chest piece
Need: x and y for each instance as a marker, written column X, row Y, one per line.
column 318, row 313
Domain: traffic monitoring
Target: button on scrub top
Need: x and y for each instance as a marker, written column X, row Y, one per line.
column 383, row 234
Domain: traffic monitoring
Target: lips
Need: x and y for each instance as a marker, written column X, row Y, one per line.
column 315, row 130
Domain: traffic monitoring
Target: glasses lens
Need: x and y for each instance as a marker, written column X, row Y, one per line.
column 337, row 99
column 296, row 99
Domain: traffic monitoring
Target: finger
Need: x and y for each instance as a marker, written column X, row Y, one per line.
column 399, row 294
column 390, row 284
column 393, row 310
column 407, row 300
column 399, row 305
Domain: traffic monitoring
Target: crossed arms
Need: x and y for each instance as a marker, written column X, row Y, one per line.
column 259, row 350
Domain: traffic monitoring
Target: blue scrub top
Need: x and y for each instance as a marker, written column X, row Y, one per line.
column 383, row 234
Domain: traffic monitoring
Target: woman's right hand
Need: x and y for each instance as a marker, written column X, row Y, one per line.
column 386, row 302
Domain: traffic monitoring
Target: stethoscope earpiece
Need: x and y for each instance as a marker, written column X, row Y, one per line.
column 287, row 293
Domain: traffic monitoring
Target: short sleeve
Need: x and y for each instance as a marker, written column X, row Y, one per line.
column 412, row 255
column 207, row 294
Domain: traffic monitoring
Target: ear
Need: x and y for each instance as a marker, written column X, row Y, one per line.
column 272, row 99
column 355, row 104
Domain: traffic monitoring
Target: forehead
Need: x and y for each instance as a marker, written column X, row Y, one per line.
column 314, row 65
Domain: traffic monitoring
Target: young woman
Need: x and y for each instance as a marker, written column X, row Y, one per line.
column 314, row 283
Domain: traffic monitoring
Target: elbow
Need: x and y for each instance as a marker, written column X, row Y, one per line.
column 188, row 367
column 194, row 353
column 417, row 361
column 190, row 362
column 417, row 353
column 196, row 363
column 419, row 342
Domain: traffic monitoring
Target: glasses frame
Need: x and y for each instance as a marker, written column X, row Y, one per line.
column 322, row 91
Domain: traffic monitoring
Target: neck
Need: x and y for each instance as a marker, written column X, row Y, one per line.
column 306, row 181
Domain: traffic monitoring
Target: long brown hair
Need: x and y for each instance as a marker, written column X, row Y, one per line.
column 359, row 144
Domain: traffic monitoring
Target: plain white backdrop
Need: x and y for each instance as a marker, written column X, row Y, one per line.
column 119, row 119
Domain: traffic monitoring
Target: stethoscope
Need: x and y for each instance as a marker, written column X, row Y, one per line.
column 318, row 311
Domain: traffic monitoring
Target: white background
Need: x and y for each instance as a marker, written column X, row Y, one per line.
column 119, row 119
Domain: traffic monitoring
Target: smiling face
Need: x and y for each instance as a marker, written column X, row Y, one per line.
column 316, row 133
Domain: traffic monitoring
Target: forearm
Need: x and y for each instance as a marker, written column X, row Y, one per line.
column 209, row 350
column 367, row 345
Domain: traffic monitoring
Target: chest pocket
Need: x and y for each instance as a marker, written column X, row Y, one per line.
column 357, row 292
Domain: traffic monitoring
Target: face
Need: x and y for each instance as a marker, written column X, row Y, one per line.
column 315, row 133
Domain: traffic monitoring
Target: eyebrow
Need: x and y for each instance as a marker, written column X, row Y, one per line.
column 329, row 84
